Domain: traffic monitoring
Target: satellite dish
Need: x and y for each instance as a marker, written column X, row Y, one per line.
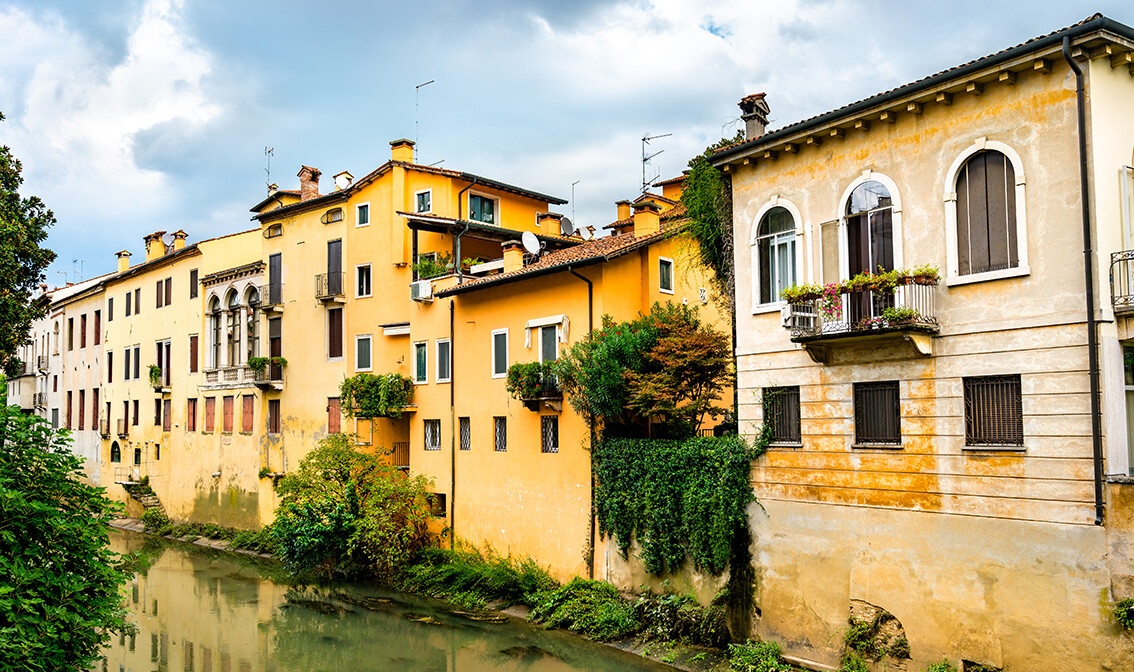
column 566, row 226
column 531, row 243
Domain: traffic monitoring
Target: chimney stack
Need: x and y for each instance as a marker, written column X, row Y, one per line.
column 402, row 150
column 123, row 261
column 179, row 237
column 155, row 248
column 273, row 188
column 308, row 183
column 647, row 218
column 550, row 223
column 513, row 255
column 625, row 209
column 754, row 111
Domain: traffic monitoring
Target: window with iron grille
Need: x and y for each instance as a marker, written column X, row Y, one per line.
column 781, row 411
column 994, row 413
column 466, row 433
column 433, row 435
column 877, row 416
column 500, row 433
column 550, row 431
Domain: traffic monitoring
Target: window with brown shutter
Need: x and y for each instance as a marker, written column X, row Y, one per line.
column 334, row 416
column 986, row 214
column 167, row 415
column 191, row 415
column 159, row 294
column 273, row 416
column 138, row 301
column 82, row 409
column 994, row 411
column 228, row 409
column 193, row 283
column 157, row 412
column 168, row 291
column 335, row 332
column 210, row 413
column 97, row 327
column 137, row 413
column 246, row 413
column 193, row 353
column 94, row 408
column 83, row 330
column 877, row 414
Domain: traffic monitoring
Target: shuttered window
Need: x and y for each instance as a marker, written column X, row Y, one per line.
column 168, row 291
column 193, row 353
column 97, row 327
column 82, row 409
column 994, row 411
column 157, row 412
column 83, row 330
column 229, row 403
column 334, row 416
column 781, row 412
column 191, row 415
column 877, row 416
column 167, row 415
column 986, row 214
column 210, row 413
column 335, row 333
column 246, row 412
column 193, row 283
column 273, row 416
column 159, row 294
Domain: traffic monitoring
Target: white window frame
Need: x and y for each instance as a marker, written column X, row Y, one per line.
column 672, row 275
column 952, row 275
column 369, row 339
column 418, row 193
column 558, row 339
column 774, row 202
column 869, row 175
column 369, row 214
column 492, row 353
column 495, row 208
column 370, row 269
column 437, row 354
column 420, row 377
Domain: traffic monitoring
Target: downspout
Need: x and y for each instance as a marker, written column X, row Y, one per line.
column 1089, row 274
column 457, row 261
column 452, row 438
column 591, row 425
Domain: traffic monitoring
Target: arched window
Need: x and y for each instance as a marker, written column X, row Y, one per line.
column 986, row 214
column 115, row 452
column 252, row 329
column 775, row 244
column 233, row 332
column 870, row 229
column 215, row 330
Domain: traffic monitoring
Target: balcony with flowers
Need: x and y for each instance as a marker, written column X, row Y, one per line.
column 894, row 305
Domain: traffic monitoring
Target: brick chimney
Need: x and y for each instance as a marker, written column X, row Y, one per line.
column 754, row 111
column 625, row 209
column 155, row 248
column 308, row 183
column 549, row 223
column 402, row 150
column 179, row 237
column 123, row 261
column 513, row 255
column 647, row 220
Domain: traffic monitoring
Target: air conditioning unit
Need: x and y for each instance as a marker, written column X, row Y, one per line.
column 422, row 290
column 799, row 317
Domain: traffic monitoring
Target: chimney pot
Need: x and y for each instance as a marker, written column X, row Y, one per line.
column 625, row 209
column 155, row 248
column 179, row 237
column 754, row 111
column 513, row 255
column 647, row 218
column 401, row 150
column 308, row 183
column 123, row 261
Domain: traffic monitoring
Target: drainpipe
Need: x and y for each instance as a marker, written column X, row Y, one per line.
column 457, row 261
column 1089, row 274
column 591, row 424
column 452, row 438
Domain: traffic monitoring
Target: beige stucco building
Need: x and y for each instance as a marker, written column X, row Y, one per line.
column 936, row 455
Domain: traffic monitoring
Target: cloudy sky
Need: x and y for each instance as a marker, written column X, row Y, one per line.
column 145, row 115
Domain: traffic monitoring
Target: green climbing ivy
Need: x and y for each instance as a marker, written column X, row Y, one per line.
column 366, row 395
column 678, row 499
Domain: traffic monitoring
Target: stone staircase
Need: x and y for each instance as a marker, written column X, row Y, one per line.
column 144, row 496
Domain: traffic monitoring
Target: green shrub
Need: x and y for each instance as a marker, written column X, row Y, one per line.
column 591, row 608
column 367, row 395
column 852, row 661
column 1124, row 613
column 528, row 380
column 154, row 519
column 680, row 618
column 943, row 666
column 473, row 579
column 757, row 657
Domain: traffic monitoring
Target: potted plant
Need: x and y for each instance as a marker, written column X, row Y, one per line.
column 367, row 395
column 155, row 377
column 926, row 274
column 899, row 316
column 258, row 363
column 532, row 382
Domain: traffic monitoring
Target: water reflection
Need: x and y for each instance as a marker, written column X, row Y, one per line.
column 224, row 613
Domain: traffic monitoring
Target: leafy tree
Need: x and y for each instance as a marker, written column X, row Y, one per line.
column 23, row 227
column 60, row 584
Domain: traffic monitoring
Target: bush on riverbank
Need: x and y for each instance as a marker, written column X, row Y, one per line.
column 757, row 657
column 591, row 608
column 154, row 521
column 473, row 579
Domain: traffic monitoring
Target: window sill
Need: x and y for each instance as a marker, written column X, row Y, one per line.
column 786, row 444
column 955, row 280
column 993, row 449
column 769, row 308
column 877, row 446
column 665, row 291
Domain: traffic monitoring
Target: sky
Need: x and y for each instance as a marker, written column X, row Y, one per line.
column 144, row 115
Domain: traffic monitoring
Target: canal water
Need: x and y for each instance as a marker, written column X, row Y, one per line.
column 199, row 610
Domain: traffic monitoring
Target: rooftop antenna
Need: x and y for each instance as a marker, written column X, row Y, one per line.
column 79, row 273
column 437, row 163
column 416, row 115
column 268, row 152
column 646, row 157
column 573, row 197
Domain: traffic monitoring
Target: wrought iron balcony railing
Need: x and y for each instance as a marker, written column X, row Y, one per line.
column 329, row 286
column 908, row 307
column 1122, row 281
column 41, row 362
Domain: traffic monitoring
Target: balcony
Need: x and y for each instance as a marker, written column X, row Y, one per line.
column 104, row 427
column 123, row 427
column 269, row 377
column 41, row 363
column 39, row 399
column 1122, row 282
column 329, row 287
column 859, row 313
column 534, row 386
column 229, row 377
column 271, row 297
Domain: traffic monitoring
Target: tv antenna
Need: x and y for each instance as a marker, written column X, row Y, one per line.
column 646, row 157
column 79, row 273
column 573, row 197
column 416, row 115
column 268, row 152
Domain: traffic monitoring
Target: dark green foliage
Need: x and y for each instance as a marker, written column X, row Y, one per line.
column 259, row 541
column 154, row 520
column 680, row 618
column 428, row 267
column 757, row 657
column 943, row 666
column 674, row 497
column 366, row 395
column 473, row 579
column 899, row 648
column 591, row 608
column 852, row 661
column 707, row 199
column 1124, row 613
column 59, row 582
column 530, row 380
column 23, row 229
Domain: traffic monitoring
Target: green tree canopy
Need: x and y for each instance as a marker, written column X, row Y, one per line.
column 23, row 228
column 60, row 584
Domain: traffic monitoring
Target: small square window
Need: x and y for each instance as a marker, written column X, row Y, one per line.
column 437, row 506
column 499, row 353
column 482, row 209
column 420, row 363
column 424, row 201
column 444, row 361
column 362, row 353
column 994, row 411
column 500, row 433
column 362, row 214
column 665, row 275
column 549, row 425
column 877, row 414
column 433, row 435
column 466, row 433
column 362, row 285
column 781, row 412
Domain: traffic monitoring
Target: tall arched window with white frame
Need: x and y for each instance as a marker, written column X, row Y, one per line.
column 775, row 245
column 233, row 332
column 986, row 214
column 870, row 244
column 215, row 331
column 252, row 329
